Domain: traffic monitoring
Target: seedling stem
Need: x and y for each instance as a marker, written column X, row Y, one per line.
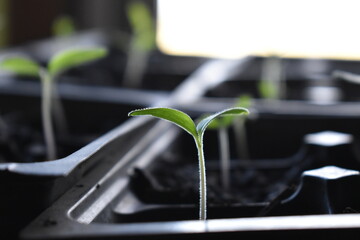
column 46, row 113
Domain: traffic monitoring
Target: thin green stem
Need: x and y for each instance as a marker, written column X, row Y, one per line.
column 46, row 114
column 272, row 77
column 135, row 66
column 58, row 111
column 202, row 174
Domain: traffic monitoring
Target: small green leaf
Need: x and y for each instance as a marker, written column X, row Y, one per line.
column 203, row 124
column 20, row 65
column 175, row 116
column 63, row 26
column 74, row 57
column 243, row 101
column 225, row 121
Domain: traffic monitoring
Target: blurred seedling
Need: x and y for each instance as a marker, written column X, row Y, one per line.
column 141, row 44
column 58, row 64
column 222, row 125
column 63, row 26
column 271, row 85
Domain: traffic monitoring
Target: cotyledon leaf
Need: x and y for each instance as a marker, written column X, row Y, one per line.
column 226, row 120
column 204, row 123
column 21, row 66
column 74, row 57
column 175, row 116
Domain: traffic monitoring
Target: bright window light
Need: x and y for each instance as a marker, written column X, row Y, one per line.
column 237, row 28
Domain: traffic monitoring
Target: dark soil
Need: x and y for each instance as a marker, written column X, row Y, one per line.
column 177, row 183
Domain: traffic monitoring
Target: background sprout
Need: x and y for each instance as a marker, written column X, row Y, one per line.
column 184, row 121
column 222, row 125
column 271, row 85
column 58, row 64
column 63, row 26
column 240, row 129
column 142, row 42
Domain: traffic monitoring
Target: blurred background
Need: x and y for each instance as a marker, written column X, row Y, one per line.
column 26, row 21
column 228, row 28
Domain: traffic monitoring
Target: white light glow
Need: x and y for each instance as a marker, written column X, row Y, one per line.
column 331, row 172
column 237, row 28
column 328, row 138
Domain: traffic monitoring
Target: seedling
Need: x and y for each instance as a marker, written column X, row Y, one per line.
column 142, row 42
column 223, row 138
column 58, row 64
column 271, row 83
column 184, row 121
column 222, row 125
column 240, row 130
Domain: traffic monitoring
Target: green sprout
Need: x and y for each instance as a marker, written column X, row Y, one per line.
column 271, row 85
column 244, row 101
column 184, row 121
column 63, row 26
column 142, row 42
column 142, row 24
column 58, row 64
column 222, row 125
